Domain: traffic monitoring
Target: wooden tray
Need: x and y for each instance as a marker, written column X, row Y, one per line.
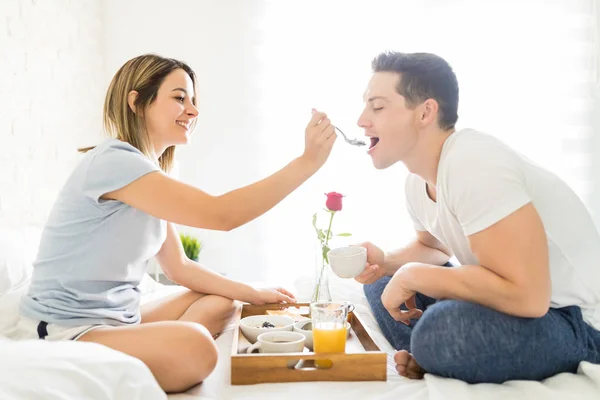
column 362, row 361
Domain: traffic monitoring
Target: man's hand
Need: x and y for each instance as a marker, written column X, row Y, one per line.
column 374, row 267
column 273, row 295
column 395, row 294
column 371, row 274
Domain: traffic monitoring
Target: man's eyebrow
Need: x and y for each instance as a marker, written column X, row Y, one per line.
column 376, row 98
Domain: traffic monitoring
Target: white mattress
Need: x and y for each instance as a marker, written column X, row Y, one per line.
column 581, row 386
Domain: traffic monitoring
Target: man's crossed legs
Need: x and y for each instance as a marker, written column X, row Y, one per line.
column 474, row 343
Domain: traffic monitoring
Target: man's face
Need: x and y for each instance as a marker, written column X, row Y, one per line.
column 391, row 126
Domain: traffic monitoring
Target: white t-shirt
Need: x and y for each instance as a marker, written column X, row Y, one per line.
column 481, row 181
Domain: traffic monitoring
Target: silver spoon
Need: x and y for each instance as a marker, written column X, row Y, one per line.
column 353, row 142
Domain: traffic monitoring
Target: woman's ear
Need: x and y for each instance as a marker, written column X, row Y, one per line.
column 131, row 98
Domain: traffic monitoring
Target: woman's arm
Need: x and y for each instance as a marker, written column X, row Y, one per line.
column 178, row 268
column 163, row 197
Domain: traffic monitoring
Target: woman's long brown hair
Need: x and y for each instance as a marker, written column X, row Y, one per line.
column 144, row 74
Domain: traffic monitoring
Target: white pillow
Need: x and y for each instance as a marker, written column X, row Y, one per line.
column 38, row 369
column 18, row 249
column 9, row 311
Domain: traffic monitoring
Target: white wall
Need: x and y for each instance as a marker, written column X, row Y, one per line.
column 51, row 67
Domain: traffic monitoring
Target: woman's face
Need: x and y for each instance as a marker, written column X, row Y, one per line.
column 169, row 118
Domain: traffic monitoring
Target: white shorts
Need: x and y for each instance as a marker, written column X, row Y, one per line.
column 30, row 329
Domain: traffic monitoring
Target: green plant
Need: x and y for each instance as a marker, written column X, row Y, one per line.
column 191, row 246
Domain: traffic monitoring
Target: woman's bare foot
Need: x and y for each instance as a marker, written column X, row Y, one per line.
column 407, row 366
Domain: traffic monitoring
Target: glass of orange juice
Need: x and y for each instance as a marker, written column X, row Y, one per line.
column 329, row 329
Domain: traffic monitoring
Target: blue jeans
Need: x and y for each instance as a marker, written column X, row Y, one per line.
column 473, row 343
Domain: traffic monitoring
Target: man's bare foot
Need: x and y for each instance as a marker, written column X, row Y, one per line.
column 407, row 366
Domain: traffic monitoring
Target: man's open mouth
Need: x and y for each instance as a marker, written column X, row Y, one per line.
column 374, row 141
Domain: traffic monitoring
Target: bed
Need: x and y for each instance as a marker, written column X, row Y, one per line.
column 37, row 369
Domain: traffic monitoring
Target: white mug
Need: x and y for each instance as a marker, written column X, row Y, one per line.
column 347, row 262
column 278, row 342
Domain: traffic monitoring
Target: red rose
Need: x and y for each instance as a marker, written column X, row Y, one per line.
column 334, row 201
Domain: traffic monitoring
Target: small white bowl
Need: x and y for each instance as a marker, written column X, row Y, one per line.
column 308, row 334
column 347, row 262
column 252, row 326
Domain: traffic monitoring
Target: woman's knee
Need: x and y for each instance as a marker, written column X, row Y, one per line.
column 222, row 309
column 219, row 306
column 226, row 306
column 196, row 355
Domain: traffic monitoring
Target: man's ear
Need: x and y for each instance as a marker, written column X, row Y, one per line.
column 429, row 111
column 131, row 98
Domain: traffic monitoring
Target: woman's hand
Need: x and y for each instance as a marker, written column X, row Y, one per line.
column 273, row 295
column 319, row 138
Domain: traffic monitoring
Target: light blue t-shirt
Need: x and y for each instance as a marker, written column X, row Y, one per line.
column 93, row 252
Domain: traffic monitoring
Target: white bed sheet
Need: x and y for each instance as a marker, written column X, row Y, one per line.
column 581, row 386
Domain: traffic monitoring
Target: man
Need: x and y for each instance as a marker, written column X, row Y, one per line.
column 525, row 301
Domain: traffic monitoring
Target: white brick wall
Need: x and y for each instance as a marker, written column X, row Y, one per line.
column 51, row 93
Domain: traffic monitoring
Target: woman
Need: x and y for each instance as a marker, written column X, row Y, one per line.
column 118, row 209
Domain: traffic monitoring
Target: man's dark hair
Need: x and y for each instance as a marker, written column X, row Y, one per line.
column 423, row 76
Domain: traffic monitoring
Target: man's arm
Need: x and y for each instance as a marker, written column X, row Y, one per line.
column 425, row 248
column 513, row 276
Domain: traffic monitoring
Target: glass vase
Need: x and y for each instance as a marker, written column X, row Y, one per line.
column 321, row 291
